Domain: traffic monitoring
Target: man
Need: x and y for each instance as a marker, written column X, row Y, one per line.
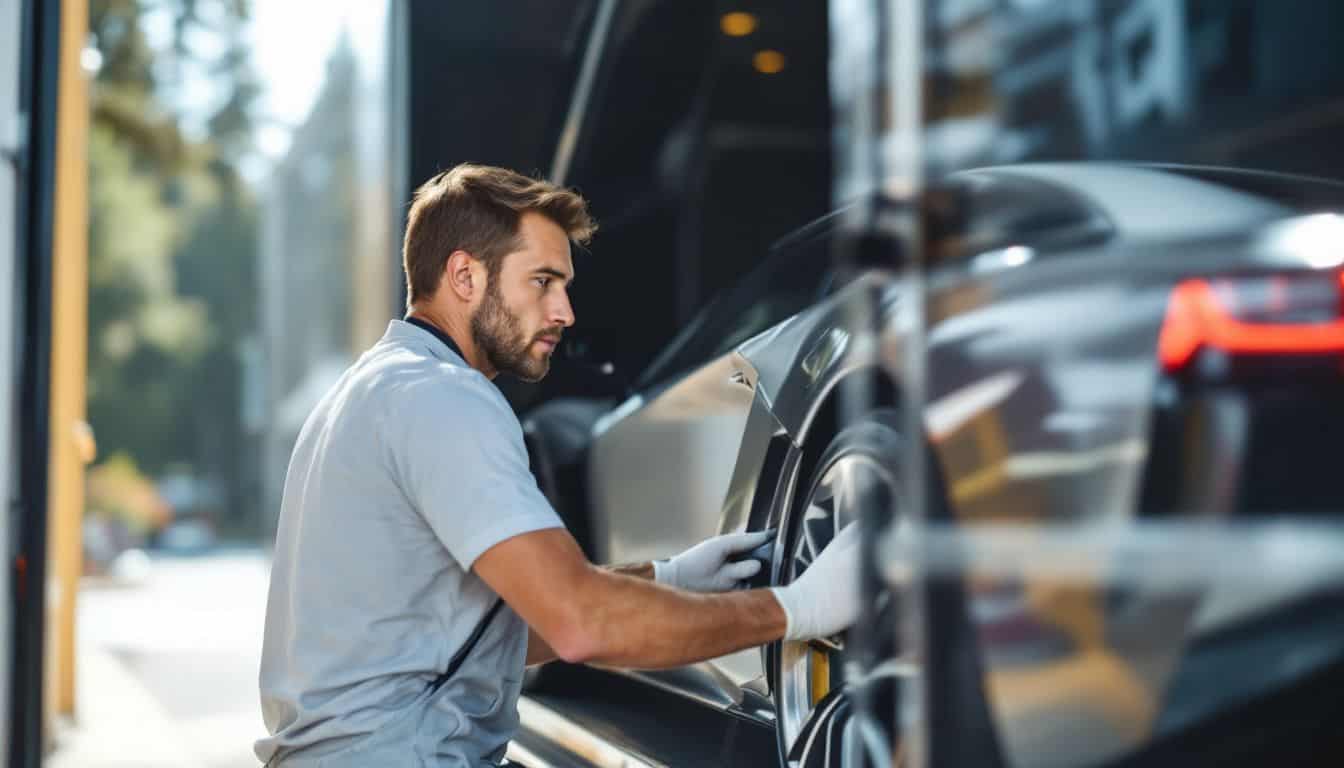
column 409, row 512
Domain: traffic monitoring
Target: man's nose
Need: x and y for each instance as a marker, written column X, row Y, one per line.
column 562, row 314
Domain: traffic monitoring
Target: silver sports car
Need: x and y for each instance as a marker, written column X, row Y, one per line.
column 1104, row 344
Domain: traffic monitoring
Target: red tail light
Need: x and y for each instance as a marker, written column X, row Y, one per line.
column 1278, row 314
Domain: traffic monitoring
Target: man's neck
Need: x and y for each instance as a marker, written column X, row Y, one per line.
column 458, row 330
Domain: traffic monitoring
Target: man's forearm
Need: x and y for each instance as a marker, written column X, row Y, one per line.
column 588, row 614
column 635, row 623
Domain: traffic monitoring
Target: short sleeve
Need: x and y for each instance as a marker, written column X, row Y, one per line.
column 464, row 467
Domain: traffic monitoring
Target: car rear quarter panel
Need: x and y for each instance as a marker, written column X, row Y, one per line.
column 1040, row 382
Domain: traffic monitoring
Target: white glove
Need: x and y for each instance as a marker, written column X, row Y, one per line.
column 825, row 599
column 705, row 567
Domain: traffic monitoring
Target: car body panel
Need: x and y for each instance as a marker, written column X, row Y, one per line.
column 660, row 473
column 715, row 421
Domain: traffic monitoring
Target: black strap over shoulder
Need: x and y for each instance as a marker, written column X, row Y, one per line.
column 476, row 633
column 453, row 664
column 462, row 652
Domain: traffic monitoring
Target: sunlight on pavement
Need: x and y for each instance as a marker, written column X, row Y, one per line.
column 167, row 671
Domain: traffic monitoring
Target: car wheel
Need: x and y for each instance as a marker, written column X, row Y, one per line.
column 816, row 684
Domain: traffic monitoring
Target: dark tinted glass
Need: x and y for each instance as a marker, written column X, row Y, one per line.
column 794, row 275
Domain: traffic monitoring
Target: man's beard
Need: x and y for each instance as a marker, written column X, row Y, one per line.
column 498, row 334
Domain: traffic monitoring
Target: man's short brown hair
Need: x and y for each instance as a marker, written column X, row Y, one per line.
column 476, row 208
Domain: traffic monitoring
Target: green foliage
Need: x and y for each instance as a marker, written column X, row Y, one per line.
column 172, row 247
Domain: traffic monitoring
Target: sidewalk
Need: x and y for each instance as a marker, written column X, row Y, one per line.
column 120, row 724
column 167, row 668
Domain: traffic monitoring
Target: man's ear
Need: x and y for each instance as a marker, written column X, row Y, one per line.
column 458, row 275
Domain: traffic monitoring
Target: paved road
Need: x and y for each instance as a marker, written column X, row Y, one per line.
column 183, row 646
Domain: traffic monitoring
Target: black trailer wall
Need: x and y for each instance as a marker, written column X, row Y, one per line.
column 694, row 161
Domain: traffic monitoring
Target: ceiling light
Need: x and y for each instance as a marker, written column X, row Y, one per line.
column 737, row 24
column 768, row 62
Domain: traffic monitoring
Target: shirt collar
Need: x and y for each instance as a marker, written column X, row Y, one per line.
column 413, row 327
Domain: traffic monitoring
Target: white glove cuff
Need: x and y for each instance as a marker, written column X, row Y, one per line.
column 790, row 624
column 664, row 573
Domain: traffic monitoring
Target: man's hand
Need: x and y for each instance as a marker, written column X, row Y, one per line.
column 706, row 566
column 825, row 599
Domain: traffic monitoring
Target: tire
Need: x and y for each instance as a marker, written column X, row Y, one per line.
column 814, row 712
column 827, row 734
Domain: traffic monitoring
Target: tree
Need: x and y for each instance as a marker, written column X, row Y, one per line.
column 172, row 244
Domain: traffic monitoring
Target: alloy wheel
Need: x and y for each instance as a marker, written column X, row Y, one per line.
column 817, row 680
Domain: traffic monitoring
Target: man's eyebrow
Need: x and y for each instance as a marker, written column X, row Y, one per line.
column 553, row 272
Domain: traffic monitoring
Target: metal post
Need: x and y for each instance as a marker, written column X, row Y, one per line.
column 38, row 84
column 69, row 342
column 13, row 137
column 877, row 91
column 901, row 48
column 578, row 106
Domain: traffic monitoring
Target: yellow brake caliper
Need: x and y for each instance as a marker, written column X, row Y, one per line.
column 821, row 674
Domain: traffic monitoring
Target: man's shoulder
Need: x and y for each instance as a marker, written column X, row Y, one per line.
column 420, row 382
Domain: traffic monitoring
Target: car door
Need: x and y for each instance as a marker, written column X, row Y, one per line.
column 662, row 462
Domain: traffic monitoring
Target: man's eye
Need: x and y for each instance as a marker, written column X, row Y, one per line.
column 542, row 281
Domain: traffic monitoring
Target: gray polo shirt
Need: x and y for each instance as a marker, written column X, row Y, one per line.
column 409, row 468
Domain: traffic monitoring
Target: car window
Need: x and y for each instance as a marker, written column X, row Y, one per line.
column 793, row 276
column 1000, row 209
